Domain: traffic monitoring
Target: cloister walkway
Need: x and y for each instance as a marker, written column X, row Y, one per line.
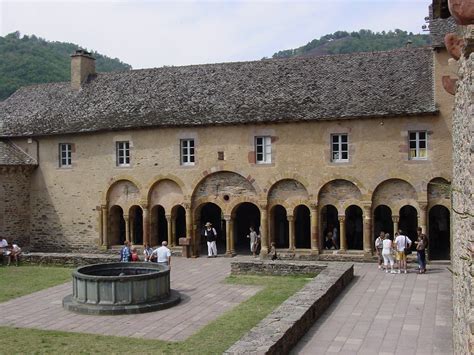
column 382, row 313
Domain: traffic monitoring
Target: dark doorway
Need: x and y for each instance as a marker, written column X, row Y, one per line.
column 382, row 221
column 247, row 215
column 408, row 222
column 116, row 226
column 179, row 223
column 302, row 227
column 159, row 226
column 280, row 228
column 210, row 212
column 136, row 225
column 330, row 223
column 354, row 228
column 439, row 233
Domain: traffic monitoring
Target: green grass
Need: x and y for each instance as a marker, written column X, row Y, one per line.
column 214, row 338
column 19, row 281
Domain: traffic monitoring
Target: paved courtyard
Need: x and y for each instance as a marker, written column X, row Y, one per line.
column 386, row 314
column 204, row 298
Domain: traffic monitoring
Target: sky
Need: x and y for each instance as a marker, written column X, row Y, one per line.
column 148, row 34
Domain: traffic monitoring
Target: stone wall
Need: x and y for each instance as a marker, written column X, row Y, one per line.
column 463, row 209
column 15, row 204
column 283, row 328
column 276, row 267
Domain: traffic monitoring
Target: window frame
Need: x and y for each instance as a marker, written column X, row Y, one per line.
column 184, row 145
column 266, row 150
column 68, row 157
column 339, row 150
column 417, row 148
column 122, row 152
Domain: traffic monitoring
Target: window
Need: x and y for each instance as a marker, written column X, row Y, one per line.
column 418, row 145
column 65, row 155
column 187, row 151
column 123, row 153
column 339, row 148
column 263, row 150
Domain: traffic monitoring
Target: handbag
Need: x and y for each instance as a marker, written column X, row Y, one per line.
column 406, row 250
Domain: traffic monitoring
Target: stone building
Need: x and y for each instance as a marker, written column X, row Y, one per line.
column 354, row 143
column 460, row 44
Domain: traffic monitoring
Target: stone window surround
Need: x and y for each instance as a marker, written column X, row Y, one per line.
column 405, row 134
column 266, row 146
column 126, row 151
column 417, row 149
column 186, row 135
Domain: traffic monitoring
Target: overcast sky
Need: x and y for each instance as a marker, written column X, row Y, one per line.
column 155, row 33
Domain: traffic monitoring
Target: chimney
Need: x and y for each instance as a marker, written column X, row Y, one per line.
column 82, row 65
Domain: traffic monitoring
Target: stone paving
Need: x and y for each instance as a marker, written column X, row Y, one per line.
column 386, row 314
column 204, row 298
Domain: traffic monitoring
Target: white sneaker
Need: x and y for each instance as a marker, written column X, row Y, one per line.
column 405, row 271
column 380, row 267
column 386, row 271
column 393, row 272
column 398, row 272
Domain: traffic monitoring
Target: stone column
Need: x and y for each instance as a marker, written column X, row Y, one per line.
column 105, row 239
column 146, row 225
column 395, row 220
column 127, row 227
column 131, row 222
column 422, row 217
column 263, row 231
column 342, row 232
column 228, row 241
column 173, row 231
column 291, row 223
column 168, row 220
column 189, row 222
column 367, row 241
column 314, row 229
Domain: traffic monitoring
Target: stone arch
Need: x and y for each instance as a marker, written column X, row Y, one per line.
column 439, row 192
column 116, row 227
column 340, row 193
column 166, row 193
column 394, row 193
column 156, row 179
column 439, row 233
column 123, row 193
column 223, row 187
column 135, row 215
column 178, row 215
column 329, row 217
column 246, row 215
column 281, row 177
column 279, row 226
column 288, row 193
column 302, row 215
column 117, row 180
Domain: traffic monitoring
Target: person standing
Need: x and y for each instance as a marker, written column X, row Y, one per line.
column 335, row 237
column 163, row 254
column 421, row 245
column 253, row 240
column 379, row 247
column 147, row 252
column 125, row 252
column 211, row 237
column 402, row 242
column 386, row 253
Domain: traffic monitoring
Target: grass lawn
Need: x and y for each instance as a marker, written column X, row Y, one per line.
column 19, row 281
column 214, row 338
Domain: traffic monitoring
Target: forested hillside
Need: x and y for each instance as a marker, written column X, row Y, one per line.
column 29, row 60
column 363, row 41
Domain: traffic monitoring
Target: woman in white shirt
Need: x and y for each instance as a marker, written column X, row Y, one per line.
column 387, row 253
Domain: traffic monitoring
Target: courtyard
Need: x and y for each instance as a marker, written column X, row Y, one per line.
column 377, row 313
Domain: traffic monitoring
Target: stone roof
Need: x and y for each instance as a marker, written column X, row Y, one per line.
column 12, row 155
column 439, row 28
column 391, row 83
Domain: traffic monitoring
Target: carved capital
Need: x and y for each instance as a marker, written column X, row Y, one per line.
column 341, row 219
column 313, row 206
column 227, row 217
column 290, row 218
column 395, row 219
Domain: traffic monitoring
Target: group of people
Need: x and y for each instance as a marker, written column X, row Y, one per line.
column 10, row 252
column 161, row 255
column 400, row 247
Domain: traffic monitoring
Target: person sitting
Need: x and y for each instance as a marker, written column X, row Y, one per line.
column 272, row 254
column 134, row 256
column 15, row 252
column 328, row 242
